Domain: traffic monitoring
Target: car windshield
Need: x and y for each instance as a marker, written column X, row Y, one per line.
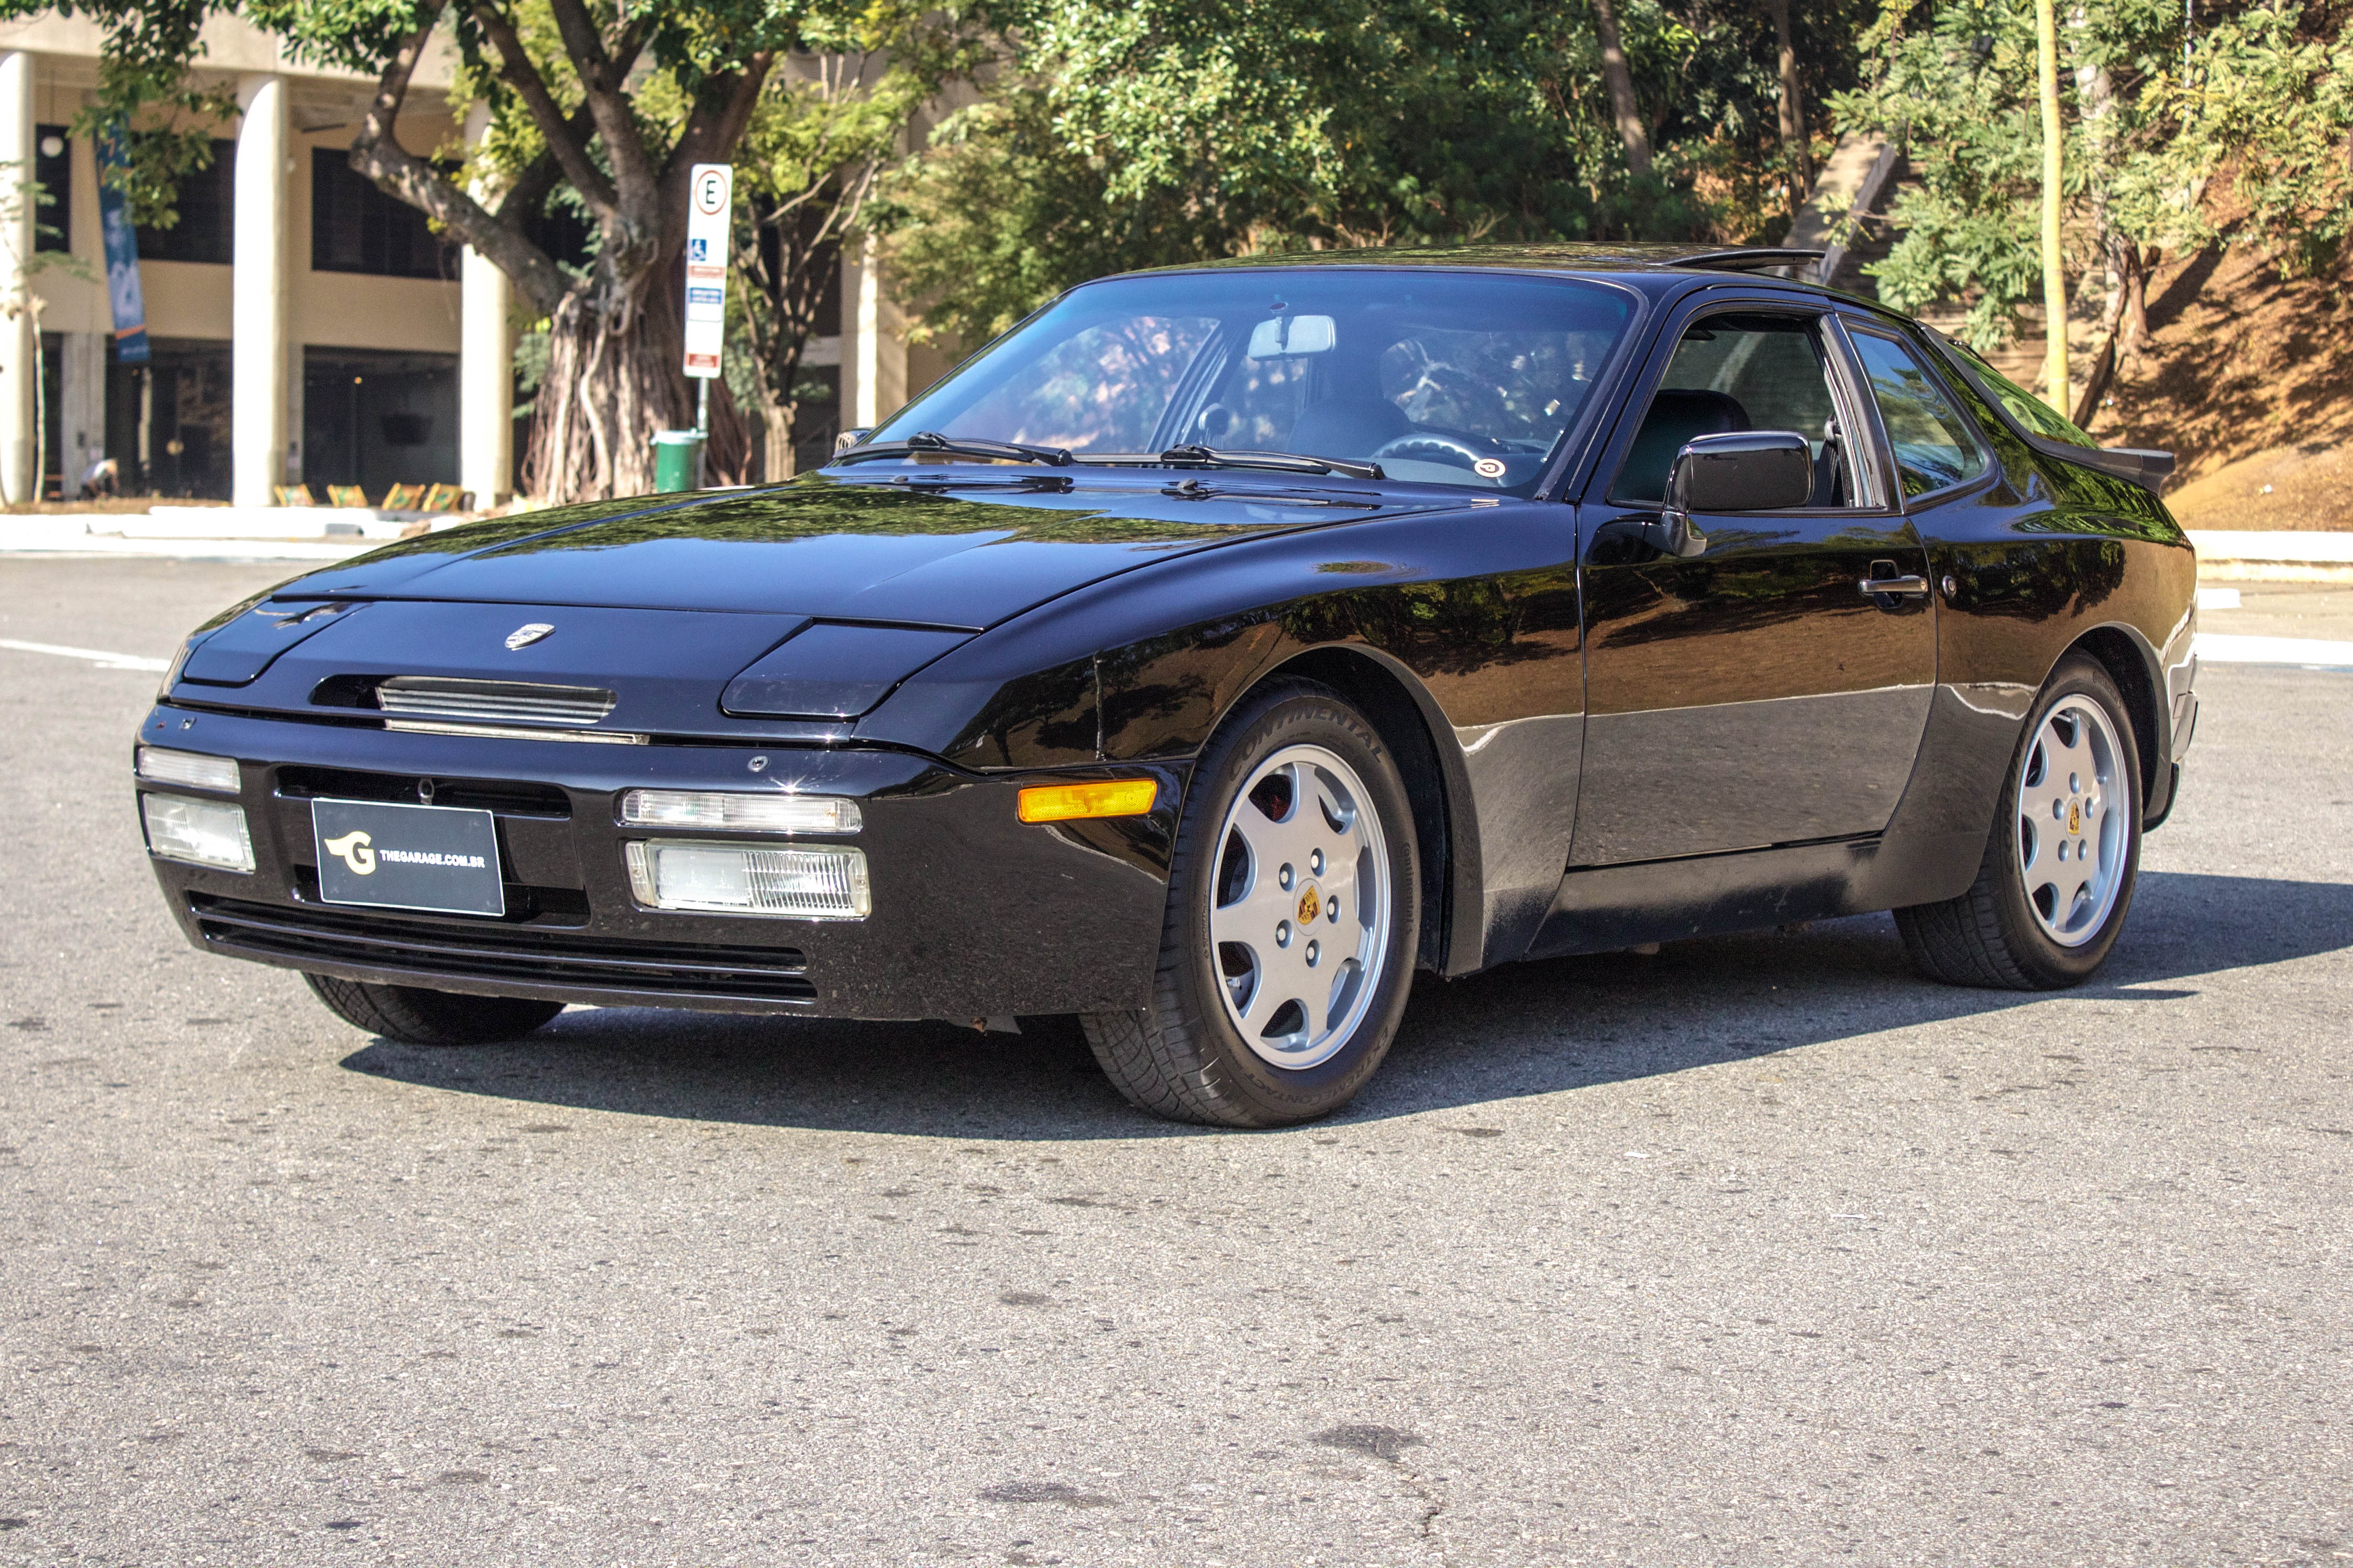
column 1447, row 377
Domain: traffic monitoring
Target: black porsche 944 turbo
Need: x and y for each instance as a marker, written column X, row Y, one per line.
column 1210, row 653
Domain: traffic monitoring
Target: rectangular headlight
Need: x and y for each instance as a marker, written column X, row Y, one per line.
column 824, row 884
column 205, row 832
column 194, row 769
column 774, row 811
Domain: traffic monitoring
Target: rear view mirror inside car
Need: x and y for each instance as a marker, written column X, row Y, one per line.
column 1291, row 335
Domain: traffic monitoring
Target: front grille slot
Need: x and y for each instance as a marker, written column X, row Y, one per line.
column 508, row 798
column 491, row 701
column 503, row 953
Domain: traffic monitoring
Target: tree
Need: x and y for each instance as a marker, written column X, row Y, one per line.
column 2244, row 143
column 1795, row 147
column 1135, row 134
column 566, row 85
column 824, row 131
column 1620, row 81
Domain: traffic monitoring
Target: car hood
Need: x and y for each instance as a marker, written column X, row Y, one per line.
column 856, row 550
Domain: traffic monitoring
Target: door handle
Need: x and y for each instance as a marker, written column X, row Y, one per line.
column 1876, row 586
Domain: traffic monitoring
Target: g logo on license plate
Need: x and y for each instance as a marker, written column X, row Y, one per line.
column 353, row 850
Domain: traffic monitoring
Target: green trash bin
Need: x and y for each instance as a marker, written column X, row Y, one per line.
column 678, row 460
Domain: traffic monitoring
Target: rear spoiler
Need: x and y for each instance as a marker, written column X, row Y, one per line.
column 2142, row 465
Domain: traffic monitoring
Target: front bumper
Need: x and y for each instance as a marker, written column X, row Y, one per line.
column 974, row 912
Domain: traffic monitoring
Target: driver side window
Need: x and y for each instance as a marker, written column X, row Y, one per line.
column 1744, row 371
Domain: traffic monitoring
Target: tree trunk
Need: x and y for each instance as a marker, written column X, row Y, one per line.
column 2055, row 261
column 1620, row 81
column 612, row 381
column 1795, row 149
column 778, row 422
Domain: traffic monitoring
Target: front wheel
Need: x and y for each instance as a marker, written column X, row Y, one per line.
column 2057, row 878
column 1287, row 949
column 419, row 1018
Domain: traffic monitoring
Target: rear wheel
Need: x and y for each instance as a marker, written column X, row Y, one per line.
column 419, row 1018
column 2057, row 878
column 1287, row 947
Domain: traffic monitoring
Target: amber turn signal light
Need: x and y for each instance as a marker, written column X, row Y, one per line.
column 1115, row 797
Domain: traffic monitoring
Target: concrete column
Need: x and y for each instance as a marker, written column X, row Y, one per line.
column 485, row 369
column 257, row 293
column 873, row 357
column 80, row 414
column 19, row 360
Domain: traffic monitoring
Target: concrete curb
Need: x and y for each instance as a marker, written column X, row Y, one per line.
column 2227, row 556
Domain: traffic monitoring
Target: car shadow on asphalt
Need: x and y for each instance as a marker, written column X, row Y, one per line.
column 1525, row 1029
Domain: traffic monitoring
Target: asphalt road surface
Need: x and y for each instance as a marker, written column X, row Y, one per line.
column 1759, row 1251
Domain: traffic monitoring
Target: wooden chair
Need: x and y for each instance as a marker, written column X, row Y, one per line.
column 294, row 495
column 405, row 498
column 447, row 498
column 346, row 495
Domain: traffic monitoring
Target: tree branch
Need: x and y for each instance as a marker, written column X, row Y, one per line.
column 722, row 110
column 634, row 180
column 571, row 150
column 377, row 153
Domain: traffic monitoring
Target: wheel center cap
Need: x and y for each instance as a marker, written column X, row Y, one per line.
column 1311, row 904
column 2074, row 817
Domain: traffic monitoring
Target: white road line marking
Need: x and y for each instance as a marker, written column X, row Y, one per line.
column 98, row 657
column 2215, row 647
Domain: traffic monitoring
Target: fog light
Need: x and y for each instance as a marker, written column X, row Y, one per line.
column 193, row 769
column 204, row 832
column 1060, row 802
column 776, row 811
column 822, row 884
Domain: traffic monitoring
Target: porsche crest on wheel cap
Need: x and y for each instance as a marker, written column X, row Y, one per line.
column 524, row 635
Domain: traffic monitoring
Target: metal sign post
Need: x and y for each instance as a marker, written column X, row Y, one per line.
column 711, row 199
column 709, row 211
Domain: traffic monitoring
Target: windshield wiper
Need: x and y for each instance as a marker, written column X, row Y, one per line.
column 1283, row 462
column 959, row 446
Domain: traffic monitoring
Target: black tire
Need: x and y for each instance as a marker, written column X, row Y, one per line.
column 421, row 1017
column 1183, row 1057
column 1989, row 936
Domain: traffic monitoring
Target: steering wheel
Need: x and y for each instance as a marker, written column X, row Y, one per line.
column 1429, row 443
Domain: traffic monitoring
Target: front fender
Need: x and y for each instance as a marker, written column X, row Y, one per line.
column 1471, row 616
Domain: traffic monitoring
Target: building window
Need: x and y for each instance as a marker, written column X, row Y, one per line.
column 355, row 228
column 53, row 168
column 375, row 418
column 207, row 203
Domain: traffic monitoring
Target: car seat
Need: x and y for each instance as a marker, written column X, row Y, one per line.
column 1677, row 415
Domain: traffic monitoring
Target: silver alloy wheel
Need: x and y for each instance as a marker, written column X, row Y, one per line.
column 1299, row 914
column 2073, row 820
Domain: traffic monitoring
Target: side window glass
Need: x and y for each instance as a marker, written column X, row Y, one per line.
column 1934, row 449
column 1742, row 372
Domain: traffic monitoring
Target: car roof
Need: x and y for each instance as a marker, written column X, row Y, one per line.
column 1651, row 257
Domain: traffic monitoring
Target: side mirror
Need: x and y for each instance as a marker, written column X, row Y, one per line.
column 849, row 439
column 1741, row 470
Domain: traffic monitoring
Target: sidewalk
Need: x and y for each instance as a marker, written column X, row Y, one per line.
column 216, row 532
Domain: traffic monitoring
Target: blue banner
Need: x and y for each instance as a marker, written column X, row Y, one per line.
column 122, row 251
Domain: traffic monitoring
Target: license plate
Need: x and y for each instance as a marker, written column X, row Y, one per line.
column 435, row 857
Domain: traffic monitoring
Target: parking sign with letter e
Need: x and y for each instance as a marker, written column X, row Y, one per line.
column 711, row 192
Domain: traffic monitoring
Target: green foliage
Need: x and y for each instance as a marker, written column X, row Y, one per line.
column 1124, row 135
column 2274, row 107
column 2261, row 102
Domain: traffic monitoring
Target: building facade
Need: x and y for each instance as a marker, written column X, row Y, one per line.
column 305, row 328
